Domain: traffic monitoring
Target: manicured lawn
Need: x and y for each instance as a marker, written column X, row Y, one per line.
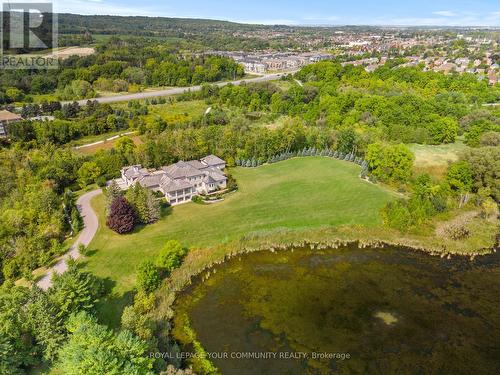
column 297, row 194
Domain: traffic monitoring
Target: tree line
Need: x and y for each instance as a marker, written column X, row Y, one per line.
column 117, row 65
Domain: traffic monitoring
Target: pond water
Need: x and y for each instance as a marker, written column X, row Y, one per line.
column 348, row 311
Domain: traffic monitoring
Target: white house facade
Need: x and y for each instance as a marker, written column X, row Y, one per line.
column 181, row 181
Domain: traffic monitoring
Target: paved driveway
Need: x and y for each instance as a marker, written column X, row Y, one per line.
column 91, row 224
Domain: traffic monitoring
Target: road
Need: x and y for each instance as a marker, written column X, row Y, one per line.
column 91, row 224
column 178, row 90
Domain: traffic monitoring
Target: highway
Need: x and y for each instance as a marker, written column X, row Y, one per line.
column 177, row 90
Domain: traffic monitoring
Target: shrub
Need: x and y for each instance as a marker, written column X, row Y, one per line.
column 101, row 181
column 197, row 199
column 171, row 256
column 82, row 249
column 137, row 323
column 148, row 277
column 457, row 231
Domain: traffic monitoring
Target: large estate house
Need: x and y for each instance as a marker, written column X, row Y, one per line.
column 181, row 181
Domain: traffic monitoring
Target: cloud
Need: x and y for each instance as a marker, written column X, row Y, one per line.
column 445, row 13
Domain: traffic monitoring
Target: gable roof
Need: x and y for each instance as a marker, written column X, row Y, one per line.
column 169, row 185
column 9, row 116
column 180, row 170
column 214, row 175
column 135, row 171
column 151, row 180
column 212, row 160
column 196, row 164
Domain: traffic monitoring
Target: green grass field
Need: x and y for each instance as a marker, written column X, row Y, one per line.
column 434, row 159
column 297, row 194
column 177, row 111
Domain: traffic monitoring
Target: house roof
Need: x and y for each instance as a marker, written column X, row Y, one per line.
column 175, row 177
column 181, row 169
column 196, row 164
column 169, row 185
column 214, row 175
column 212, row 160
column 135, row 171
column 9, row 116
column 151, row 180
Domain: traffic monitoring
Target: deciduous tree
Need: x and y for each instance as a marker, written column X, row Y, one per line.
column 121, row 217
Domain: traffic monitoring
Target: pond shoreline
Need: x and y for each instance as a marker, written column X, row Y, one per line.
column 186, row 335
column 338, row 243
column 180, row 279
column 184, row 277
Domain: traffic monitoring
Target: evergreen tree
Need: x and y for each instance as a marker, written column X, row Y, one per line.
column 10, row 358
column 93, row 349
column 153, row 208
column 45, row 322
column 76, row 220
column 74, row 291
column 137, row 196
column 71, row 214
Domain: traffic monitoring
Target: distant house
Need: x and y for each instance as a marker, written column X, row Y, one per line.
column 7, row 117
column 181, row 181
column 253, row 66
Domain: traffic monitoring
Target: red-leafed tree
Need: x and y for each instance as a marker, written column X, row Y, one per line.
column 121, row 216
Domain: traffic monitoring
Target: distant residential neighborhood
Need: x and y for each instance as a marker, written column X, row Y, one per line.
column 262, row 63
column 473, row 54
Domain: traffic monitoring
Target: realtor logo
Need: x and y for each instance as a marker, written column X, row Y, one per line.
column 28, row 34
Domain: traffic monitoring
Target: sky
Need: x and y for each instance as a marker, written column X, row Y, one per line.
column 303, row 12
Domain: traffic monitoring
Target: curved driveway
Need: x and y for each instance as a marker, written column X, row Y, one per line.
column 91, row 224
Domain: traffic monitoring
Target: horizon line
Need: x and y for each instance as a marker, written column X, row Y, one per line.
column 287, row 24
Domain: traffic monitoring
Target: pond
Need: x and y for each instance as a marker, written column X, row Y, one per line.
column 347, row 311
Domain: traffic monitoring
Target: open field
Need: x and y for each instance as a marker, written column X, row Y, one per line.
column 107, row 145
column 434, row 159
column 65, row 52
column 170, row 112
column 277, row 123
column 96, row 138
column 297, row 194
